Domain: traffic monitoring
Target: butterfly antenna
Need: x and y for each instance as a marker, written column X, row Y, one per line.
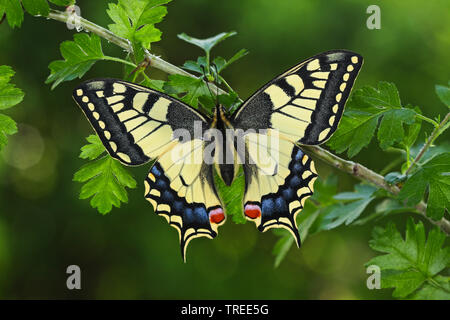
column 217, row 83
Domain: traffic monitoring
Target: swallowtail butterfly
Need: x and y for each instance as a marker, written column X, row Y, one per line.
column 302, row 106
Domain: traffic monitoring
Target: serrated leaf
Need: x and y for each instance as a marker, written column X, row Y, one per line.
column 79, row 56
column 438, row 289
column 433, row 174
column 7, row 127
column 365, row 109
column 391, row 126
column 409, row 262
column 92, row 150
column 209, row 43
column 341, row 213
column 443, row 92
column 13, row 11
column 9, row 94
column 135, row 19
column 36, row 7
column 105, row 181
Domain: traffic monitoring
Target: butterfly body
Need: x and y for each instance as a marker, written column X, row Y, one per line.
column 301, row 106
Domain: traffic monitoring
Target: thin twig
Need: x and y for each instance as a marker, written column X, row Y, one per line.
column 350, row 167
column 430, row 140
column 365, row 174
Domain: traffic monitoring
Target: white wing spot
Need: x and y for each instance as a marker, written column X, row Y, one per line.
column 85, row 99
column 79, row 92
column 311, row 93
column 119, row 88
column 355, row 59
column 313, row 65
column 107, row 134
column 346, row 76
column 100, row 94
column 114, row 99
column 96, row 115
column 113, row 146
column 342, row 87
column 139, row 100
column 91, row 106
column 350, row 68
column 338, row 97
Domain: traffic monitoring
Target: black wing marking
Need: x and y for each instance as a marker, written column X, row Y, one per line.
column 306, row 102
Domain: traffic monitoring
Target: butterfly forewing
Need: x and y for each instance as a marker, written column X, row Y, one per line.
column 306, row 102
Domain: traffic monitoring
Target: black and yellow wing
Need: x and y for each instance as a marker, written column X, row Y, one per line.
column 301, row 106
column 137, row 124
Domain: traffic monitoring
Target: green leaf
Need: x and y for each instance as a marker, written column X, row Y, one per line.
column 438, row 289
column 232, row 196
column 9, row 94
column 154, row 84
column 79, row 56
column 433, row 174
column 186, row 88
column 209, row 43
column 92, row 150
column 105, row 181
column 135, row 19
column 410, row 262
column 443, row 92
column 63, row 3
column 282, row 247
column 13, row 11
column 36, row 7
column 196, row 66
column 341, row 213
column 366, row 108
column 7, row 127
column 221, row 63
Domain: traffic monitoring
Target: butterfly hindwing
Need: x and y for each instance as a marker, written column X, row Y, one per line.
column 306, row 102
column 182, row 190
column 276, row 189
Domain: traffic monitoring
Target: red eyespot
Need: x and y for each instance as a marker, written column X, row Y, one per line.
column 216, row 216
column 252, row 211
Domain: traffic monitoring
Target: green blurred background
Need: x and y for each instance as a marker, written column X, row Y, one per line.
column 132, row 253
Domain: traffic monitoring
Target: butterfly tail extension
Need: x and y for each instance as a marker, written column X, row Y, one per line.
column 190, row 218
